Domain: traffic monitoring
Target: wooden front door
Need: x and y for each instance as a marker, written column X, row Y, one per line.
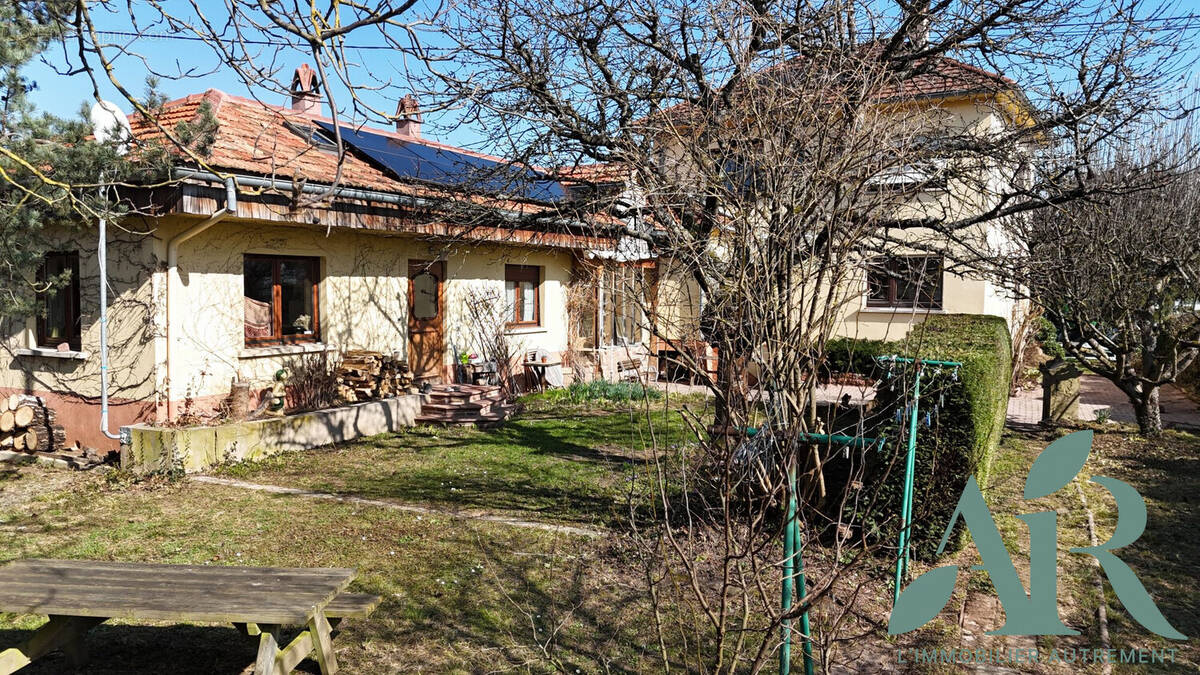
column 426, row 347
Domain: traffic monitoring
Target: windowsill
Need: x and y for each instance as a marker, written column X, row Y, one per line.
column 901, row 310
column 48, row 353
column 525, row 330
column 285, row 350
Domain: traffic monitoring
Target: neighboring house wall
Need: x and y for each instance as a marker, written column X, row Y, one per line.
column 960, row 295
column 959, row 198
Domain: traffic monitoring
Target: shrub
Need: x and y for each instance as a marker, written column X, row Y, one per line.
column 312, row 383
column 599, row 390
column 1047, row 337
column 968, row 429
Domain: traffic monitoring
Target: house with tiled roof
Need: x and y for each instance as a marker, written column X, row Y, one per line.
column 898, row 285
column 286, row 236
column 269, row 247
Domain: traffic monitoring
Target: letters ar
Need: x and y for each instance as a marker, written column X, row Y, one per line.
column 1036, row 613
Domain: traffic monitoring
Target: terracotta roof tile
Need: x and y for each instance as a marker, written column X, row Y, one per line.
column 938, row 77
column 268, row 140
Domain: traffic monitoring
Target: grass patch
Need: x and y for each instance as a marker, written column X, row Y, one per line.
column 458, row 596
column 597, row 390
column 576, row 469
column 1166, row 558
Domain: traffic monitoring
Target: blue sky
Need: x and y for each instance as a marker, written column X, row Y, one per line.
column 63, row 95
column 198, row 69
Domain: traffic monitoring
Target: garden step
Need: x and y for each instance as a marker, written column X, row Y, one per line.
column 461, row 393
column 473, row 406
column 492, row 416
column 453, row 412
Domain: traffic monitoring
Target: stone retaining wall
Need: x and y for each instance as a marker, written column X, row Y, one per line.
column 148, row 448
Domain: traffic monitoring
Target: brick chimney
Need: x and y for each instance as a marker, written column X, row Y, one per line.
column 306, row 97
column 408, row 116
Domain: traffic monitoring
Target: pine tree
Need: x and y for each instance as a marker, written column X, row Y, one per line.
column 52, row 175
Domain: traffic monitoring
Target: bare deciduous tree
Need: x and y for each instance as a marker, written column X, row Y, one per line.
column 770, row 150
column 1119, row 276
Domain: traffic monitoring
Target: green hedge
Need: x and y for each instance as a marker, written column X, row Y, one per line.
column 968, row 426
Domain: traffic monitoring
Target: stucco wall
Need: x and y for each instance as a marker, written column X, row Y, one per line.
column 363, row 299
column 480, row 272
column 363, row 305
column 70, row 383
column 972, row 189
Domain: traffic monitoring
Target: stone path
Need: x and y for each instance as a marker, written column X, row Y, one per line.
column 411, row 508
column 1097, row 394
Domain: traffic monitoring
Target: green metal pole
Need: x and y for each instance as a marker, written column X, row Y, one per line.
column 789, row 552
column 910, row 466
column 793, row 559
column 802, row 590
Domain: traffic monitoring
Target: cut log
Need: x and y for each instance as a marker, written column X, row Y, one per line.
column 6, row 441
column 7, row 421
column 13, row 401
column 23, row 415
column 30, row 441
column 239, row 401
column 19, row 442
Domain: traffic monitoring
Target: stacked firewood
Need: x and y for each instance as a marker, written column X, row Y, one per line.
column 364, row 375
column 26, row 424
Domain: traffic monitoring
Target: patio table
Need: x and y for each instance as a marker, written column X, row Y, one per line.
column 80, row 594
column 541, row 372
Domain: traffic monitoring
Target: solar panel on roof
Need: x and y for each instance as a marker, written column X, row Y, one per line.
column 442, row 166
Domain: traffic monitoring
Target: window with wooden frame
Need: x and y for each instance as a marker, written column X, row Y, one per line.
column 905, row 282
column 625, row 291
column 522, row 288
column 282, row 302
column 58, row 321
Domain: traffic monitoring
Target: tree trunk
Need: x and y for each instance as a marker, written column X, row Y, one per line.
column 1149, row 416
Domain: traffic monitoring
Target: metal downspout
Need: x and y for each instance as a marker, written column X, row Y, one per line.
column 173, row 277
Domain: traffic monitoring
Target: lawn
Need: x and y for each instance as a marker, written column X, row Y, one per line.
column 1166, row 472
column 460, row 595
column 578, row 466
column 472, row 595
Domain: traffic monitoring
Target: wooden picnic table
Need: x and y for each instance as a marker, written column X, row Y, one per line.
column 80, row 594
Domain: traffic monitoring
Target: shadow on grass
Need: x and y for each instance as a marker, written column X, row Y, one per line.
column 1166, row 557
column 126, row 650
column 530, row 611
column 571, row 470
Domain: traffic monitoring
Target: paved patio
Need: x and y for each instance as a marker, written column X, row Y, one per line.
column 1097, row 394
column 825, row 393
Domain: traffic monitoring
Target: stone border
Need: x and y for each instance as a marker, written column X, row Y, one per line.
column 146, row 448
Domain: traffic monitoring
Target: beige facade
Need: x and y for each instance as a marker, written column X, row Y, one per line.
column 363, row 292
column 973, row 188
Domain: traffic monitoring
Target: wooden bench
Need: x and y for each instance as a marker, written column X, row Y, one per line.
column 78, row 595
column 344, row 606
column 352, row 606
column 630, row 370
